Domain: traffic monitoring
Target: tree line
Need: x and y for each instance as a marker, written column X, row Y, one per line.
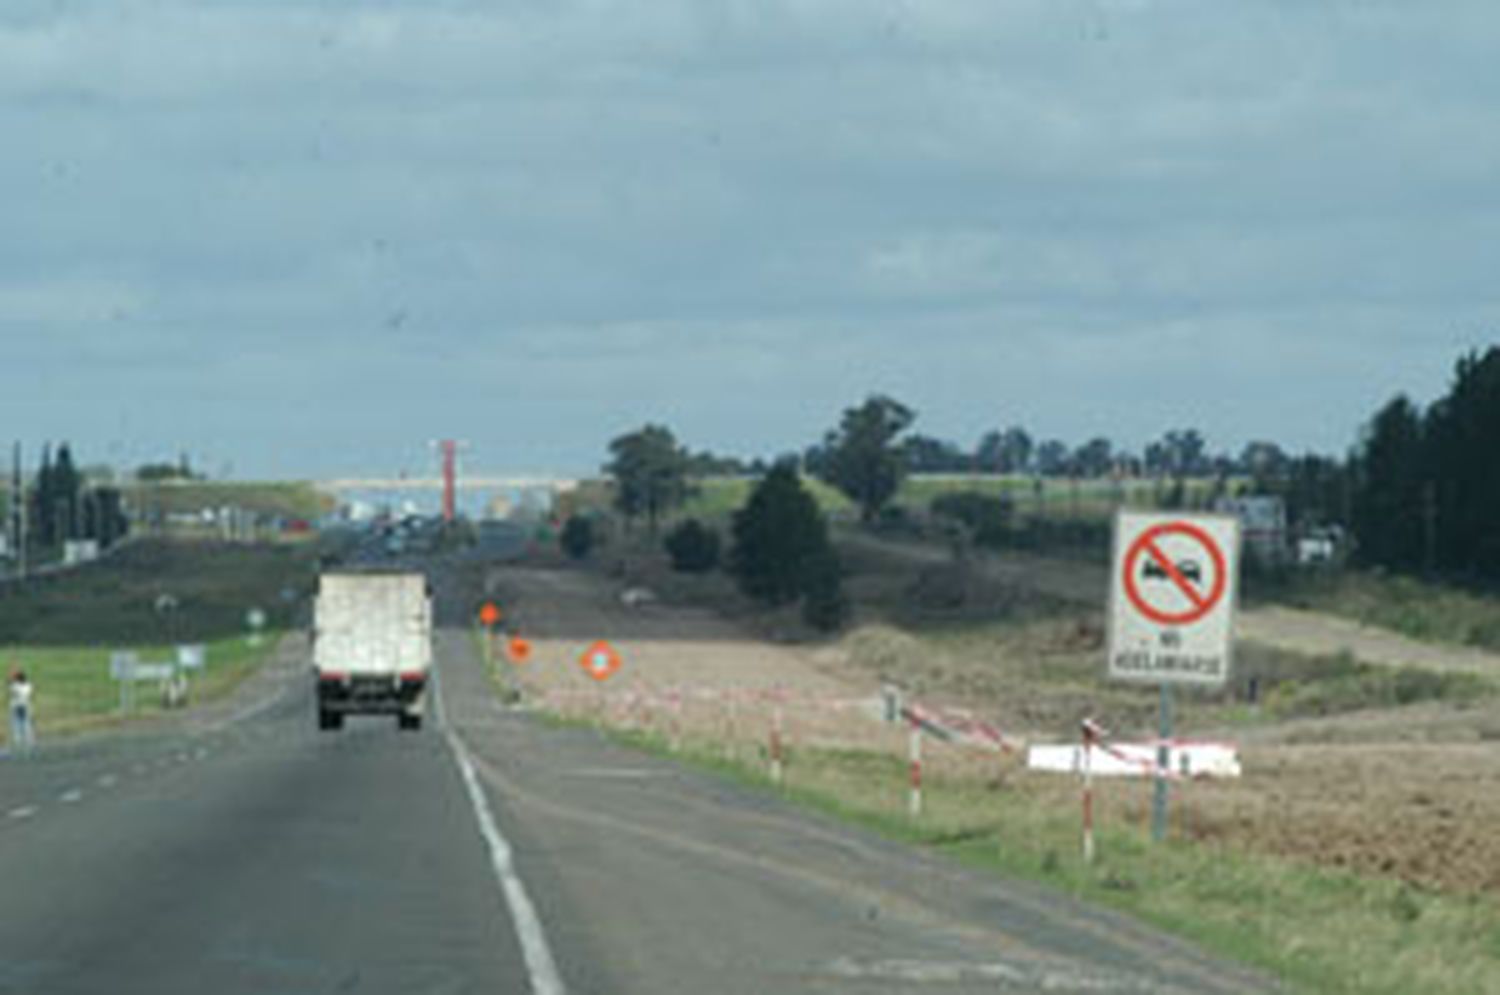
column 1426, row 481
column 61, row 505
column 1419, row 490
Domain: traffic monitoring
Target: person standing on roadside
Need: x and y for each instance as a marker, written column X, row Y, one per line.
column 21, row 735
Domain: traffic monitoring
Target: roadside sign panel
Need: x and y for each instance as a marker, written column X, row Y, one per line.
column 600, row 661
column 122, row 665
column 1172, row 595
column 192, row 656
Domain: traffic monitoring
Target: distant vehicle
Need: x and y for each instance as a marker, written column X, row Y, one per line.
column 1189, row 569
column 372, row 645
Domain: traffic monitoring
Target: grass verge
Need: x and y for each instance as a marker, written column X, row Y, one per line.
column 1423, row 610
column 1316, row 930
column 74, row 690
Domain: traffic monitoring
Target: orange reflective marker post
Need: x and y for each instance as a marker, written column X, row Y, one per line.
column 600, row 661
column 489, row 614
column 520, row 650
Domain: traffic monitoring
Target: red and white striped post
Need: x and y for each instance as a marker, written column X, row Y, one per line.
column 730, row 727
column 776, row 765
column 676, row 700
column 914, row 755
column 1090, row 733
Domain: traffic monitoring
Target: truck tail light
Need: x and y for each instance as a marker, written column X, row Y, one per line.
column 413, row 677
column 333, row 676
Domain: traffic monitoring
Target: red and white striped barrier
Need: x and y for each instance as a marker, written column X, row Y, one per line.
column 1186, row 760
column 654, row 707
column 955, row 725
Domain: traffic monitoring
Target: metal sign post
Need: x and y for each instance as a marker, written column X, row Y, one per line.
column 1172, row 595
column 1163, row 759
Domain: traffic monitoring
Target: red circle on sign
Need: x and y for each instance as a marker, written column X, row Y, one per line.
column 1145, row 544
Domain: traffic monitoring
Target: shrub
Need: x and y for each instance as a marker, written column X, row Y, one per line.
column 824, row 606
column 693, row 547
column 578, row 537
column 987, row 517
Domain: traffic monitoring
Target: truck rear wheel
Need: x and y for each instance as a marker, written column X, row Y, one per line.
column 409, row 722
column 330, row 720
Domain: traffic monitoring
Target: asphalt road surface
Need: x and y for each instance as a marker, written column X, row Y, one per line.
column 246, row 852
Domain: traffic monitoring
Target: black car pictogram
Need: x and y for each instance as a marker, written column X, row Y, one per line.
column 1189, row 569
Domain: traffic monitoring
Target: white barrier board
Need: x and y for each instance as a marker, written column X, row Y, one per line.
column 1139, row 759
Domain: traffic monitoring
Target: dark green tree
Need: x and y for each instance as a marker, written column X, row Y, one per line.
column 863, row 456
column 780, row 539
column 1388, row 501
column 824, row 606
column 650, row 471
column 43, row 512
column 577, row 539
column 693, row 547
column 67, row 490
column 1460, row 501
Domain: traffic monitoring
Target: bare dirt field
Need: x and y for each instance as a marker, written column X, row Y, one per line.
column 1409, row 792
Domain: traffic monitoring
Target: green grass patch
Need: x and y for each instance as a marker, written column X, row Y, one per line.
column 1318, row 931
column 114, row 602
column 287, row 499
column 715, row 499
column 74, row 690
column 1425, row 610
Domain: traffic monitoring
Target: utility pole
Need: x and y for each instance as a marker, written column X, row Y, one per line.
column 18, row 513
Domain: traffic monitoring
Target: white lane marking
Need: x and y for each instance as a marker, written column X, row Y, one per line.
column 622, row 772
column 24, row 812
column 200, row 753
column 545, row 979
column 108, row 781
column 138, row 769
column 439, row 712
column 70, row 796
column 1033, row 977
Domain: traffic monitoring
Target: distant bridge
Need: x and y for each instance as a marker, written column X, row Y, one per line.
column 465, row 482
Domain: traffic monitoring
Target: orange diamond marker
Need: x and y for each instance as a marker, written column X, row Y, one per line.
column 489, row 614
column 600, row 661
column 520, row 650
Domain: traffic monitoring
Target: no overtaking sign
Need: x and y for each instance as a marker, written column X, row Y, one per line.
column 1172, row 595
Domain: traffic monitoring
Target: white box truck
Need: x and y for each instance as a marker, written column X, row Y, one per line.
column 372, row 645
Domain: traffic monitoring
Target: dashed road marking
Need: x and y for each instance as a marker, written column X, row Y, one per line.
column 1028, row 977
column 24, row 812
column 70, row 796
column 621, row 772
column 108, row 780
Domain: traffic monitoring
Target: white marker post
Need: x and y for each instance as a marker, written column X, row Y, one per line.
column 1089, row 730
column 1172, row 597
column 914, row 755
column 776, row 771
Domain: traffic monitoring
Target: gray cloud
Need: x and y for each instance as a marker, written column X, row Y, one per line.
column 251, row 226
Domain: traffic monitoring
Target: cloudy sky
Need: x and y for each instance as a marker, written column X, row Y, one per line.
column 305, row 237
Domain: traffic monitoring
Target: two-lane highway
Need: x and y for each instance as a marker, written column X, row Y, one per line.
column 493, row 853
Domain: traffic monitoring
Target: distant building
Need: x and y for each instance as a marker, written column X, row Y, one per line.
column 1263, row 528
